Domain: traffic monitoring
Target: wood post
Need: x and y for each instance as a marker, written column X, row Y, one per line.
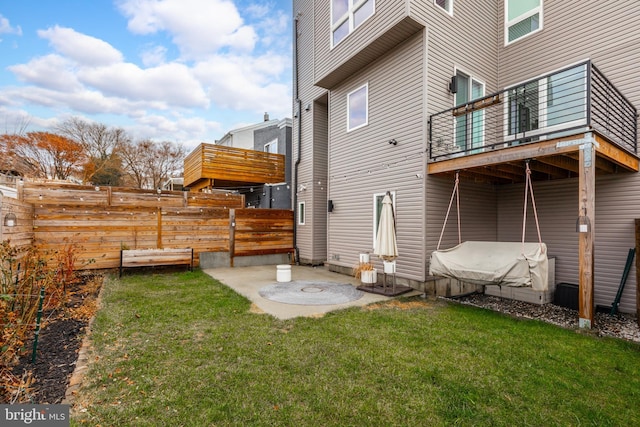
column 637, row 270
column 159, row 215
column 586, row 230
column 232, row 235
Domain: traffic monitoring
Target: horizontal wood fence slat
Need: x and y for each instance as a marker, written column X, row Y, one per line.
column 100, row 221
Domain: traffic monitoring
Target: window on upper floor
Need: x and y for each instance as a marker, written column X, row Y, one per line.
column 447, row 5
column 522, row 18
column 347, row 15
column 358, row 108
column 271, row 147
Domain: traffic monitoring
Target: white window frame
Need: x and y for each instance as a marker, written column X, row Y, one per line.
column 301, row 213
column 269, row 144
column 354, row 6
column 366, row 113
column 376, row 220
column 449, row 10
column 509, row 23
column 542, row 109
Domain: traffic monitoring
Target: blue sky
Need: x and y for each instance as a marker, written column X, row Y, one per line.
column 185, row 71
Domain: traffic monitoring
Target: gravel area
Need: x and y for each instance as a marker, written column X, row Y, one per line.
column 621, row 325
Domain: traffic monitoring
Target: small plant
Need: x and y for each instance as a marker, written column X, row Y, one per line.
column 360, row 267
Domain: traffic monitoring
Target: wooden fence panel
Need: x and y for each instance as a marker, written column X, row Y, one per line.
column 97, row 232
column 100, row 221
column 262, row 231
column 22, row 234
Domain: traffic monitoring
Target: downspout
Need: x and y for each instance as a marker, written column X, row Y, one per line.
column 299, row 153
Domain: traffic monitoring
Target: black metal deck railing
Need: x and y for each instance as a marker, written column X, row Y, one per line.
column 570, row 101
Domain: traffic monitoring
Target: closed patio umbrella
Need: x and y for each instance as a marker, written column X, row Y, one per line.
column 386, row 246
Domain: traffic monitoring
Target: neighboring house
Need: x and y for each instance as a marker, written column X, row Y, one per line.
column 275, row 139
column 262, row 172
column 375, row 86
column 174, row 184
column 243, row 137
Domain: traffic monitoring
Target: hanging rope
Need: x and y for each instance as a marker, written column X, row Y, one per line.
column 528, row 188
column 455, row 193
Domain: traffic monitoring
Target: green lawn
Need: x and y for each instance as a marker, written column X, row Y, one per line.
column 183, row 350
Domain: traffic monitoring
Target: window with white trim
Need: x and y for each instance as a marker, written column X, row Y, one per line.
column 447, row 5
column 301, row 213
column 271, row 147
column 358, row 108
column 347, row 15
column 377, row 208
column 522, row 18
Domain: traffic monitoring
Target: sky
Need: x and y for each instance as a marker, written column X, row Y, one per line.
column 185, row 71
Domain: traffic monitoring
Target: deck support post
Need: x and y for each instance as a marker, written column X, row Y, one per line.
column 586, row 229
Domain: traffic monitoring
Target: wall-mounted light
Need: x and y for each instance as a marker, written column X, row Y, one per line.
column 10, row 219
column 453, row 85
column 307, row 107
column 393, row 142
column 583, row 224
column 329, row 205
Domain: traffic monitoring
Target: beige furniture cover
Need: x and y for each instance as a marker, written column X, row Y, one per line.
column 494, row 263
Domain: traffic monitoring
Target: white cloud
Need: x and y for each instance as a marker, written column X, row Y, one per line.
column 170, row 83
column 153, row 56
column 84, row 49
column 38, row 72
column 190, row 131
column 198, row 27
column 247, row 83
column 6, row 28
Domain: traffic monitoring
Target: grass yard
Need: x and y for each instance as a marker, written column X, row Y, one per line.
column 183, row 350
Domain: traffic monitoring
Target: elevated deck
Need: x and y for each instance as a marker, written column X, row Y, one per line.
column 216, row 166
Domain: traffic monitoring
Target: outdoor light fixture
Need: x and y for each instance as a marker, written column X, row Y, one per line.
column 10, row 219
column 393, row 142
column 583, row 223
column 453, row 85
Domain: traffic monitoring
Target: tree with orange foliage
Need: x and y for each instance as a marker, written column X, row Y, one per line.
column 53, row 156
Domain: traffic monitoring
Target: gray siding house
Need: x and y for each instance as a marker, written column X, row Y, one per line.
column 399, row 95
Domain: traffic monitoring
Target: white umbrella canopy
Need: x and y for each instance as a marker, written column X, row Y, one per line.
column 386, row 246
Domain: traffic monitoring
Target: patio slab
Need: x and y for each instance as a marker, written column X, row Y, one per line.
column 248, row 281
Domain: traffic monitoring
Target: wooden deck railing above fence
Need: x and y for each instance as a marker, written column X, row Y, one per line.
column 224, row 166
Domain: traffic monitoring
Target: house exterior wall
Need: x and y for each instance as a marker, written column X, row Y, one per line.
column 363, row 163
column 408, row 81
column 608, row 34
column 387, row 14
column 310, row 237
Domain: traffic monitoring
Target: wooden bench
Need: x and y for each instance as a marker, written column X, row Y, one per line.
column 155, row 257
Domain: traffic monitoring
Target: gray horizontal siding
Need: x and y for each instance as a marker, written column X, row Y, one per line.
column 387, row 13
column 363, row 163
column 311, row 237
column 608, row 34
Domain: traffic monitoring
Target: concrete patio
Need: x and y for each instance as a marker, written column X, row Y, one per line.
column 248, row 281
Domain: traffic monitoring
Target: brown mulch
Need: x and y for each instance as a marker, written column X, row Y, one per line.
column 61, row 335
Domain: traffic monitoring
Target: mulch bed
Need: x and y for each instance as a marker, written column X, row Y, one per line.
column 58, row 345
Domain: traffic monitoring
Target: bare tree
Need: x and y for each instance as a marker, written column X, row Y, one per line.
column 149, row 164
column 101, row 143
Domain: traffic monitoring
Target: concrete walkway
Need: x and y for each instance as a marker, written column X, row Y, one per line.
column 248, row 281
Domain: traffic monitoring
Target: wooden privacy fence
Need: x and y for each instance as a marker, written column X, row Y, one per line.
column 100, row 221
